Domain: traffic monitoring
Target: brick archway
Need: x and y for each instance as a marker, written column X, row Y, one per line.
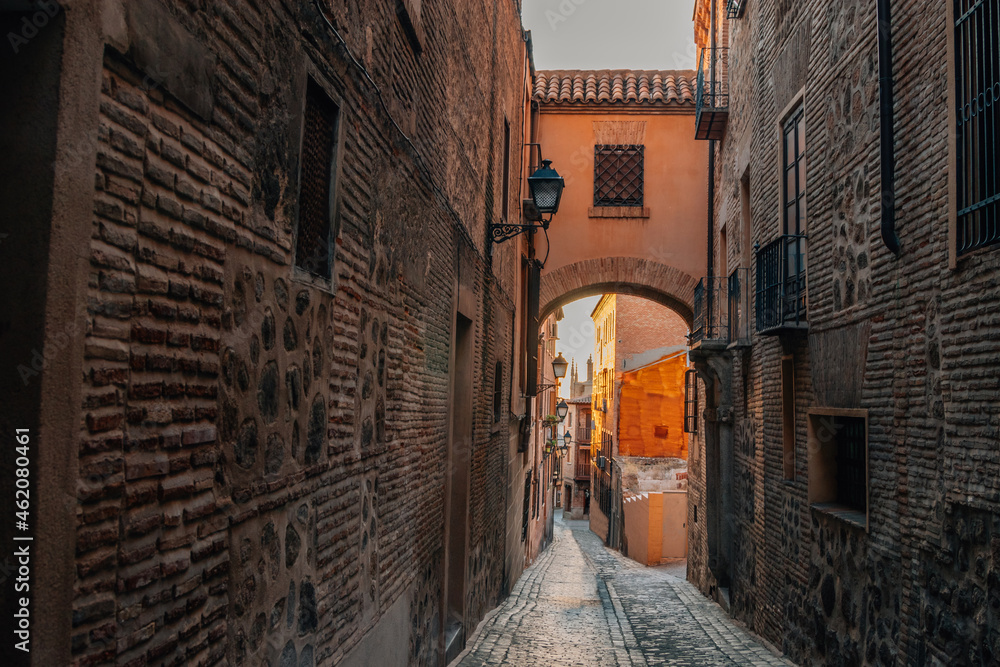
column 621, row 275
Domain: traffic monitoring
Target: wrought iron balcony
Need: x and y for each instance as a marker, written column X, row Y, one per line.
column 710, row 314
column 781, row 286
column 582, row 466
column 734, row 8
column 739, row 308
column 712, row 97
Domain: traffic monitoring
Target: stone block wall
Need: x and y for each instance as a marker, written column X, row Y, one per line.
column 908, row 339
column 261, row 455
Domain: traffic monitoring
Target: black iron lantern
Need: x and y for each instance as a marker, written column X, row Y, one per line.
column 546, row 186
column 559, row 366
column 562, row 410
column 567, row 440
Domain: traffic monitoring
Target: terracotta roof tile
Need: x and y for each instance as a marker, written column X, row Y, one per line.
column 672, row 87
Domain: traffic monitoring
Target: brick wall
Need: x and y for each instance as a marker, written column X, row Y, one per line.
column 910, row 334
column 261, row 457
column 644, row 325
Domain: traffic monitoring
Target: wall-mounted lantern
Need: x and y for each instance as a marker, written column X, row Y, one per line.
column 559, row 366
column 545, row 186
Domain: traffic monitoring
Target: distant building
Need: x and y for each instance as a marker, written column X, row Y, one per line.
column 578, row 387
column 631, row 333
column 576, row 466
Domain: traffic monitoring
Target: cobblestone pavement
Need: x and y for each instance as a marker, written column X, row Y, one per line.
column 583, row 604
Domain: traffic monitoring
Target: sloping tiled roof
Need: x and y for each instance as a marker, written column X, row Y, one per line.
column 619, row 86
column 579, row 400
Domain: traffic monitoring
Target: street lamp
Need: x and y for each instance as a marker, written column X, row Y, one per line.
column 564, row 441
column 559, row 366
column 545, row 186
column 562, row 410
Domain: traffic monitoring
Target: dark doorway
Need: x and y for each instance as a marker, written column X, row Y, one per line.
column 457, row 489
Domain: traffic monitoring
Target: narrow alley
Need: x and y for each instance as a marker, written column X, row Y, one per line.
column 583, row 604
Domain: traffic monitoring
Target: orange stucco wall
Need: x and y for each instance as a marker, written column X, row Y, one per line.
column 675, row 193
column 653, row 397
column 655, row 526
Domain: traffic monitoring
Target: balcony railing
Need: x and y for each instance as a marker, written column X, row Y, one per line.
column 710, row 311
column 739, row 307
column 734, row 8
column 781, row 285
column 712, row 97
column 582, row 466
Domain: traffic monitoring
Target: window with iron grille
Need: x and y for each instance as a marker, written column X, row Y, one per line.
column 977, row 79
column 734, row 8
column 852, row 463
column 313, row 241
column 838, row 463
column 691, row 402
column 794, row 167
column 618, row 175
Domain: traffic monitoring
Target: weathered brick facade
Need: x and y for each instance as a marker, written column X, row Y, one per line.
column 263, row 459
column 908, row 341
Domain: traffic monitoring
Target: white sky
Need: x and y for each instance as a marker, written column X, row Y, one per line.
column 576, row 334
column 611, row 34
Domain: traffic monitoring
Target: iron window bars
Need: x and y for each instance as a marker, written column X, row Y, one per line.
column 712, row 94
column 781, row 284
column 691, row 401
column 710, row 311
column 793, row 189
column 852, row 464
column 734, row 8
column 739, row 307
column 977, row 78
column 618, row 175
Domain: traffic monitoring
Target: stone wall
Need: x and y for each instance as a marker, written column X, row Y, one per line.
column 909, row 340
column 262, row 455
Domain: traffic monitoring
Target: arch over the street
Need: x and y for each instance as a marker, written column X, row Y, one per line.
column 652, row 280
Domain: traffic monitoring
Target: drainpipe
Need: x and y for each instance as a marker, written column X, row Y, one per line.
column 886, row 129
column 710, row 269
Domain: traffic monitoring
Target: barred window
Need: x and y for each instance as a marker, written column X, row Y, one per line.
column 618, row 175
column 314, row 239
column 838, row 463
column 794, row 169
column 977, row 79
column 691, row 401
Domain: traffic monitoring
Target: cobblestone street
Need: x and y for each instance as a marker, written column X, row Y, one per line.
column 582, row 604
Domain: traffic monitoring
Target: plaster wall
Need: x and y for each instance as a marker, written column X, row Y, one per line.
column 675, row 176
